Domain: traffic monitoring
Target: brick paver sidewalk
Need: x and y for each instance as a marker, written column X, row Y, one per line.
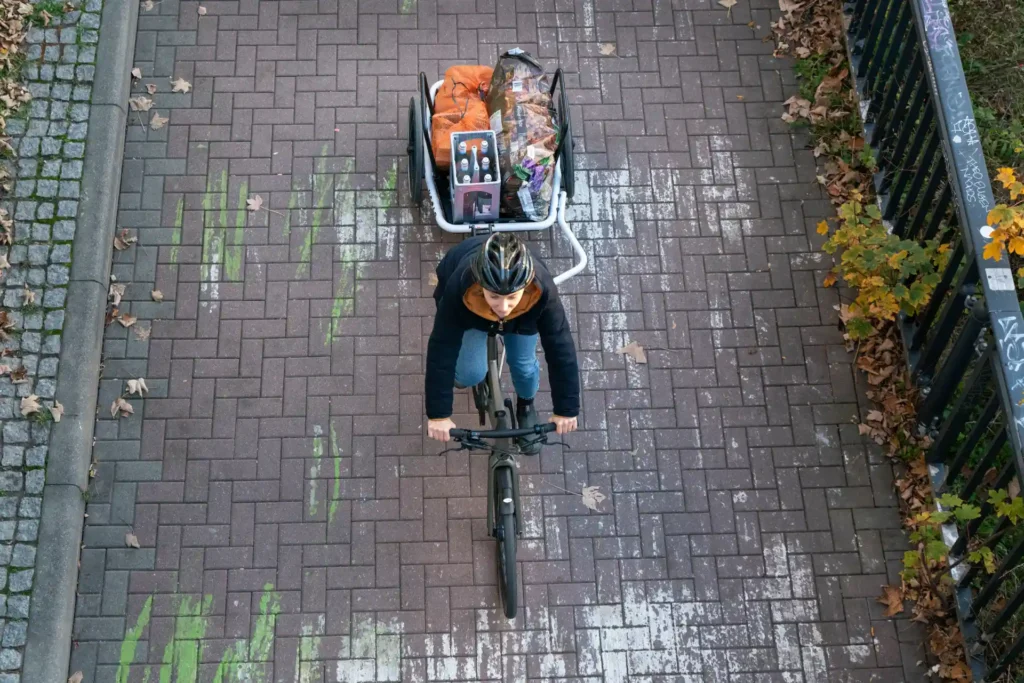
column 296, row 526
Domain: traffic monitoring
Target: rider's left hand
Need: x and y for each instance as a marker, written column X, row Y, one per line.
column 564, row 424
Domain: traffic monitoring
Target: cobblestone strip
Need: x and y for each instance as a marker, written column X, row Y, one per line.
column 49, row 142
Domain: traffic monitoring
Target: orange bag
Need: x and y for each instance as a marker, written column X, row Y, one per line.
column 462, row 82
column 458, row 107
column 443, row 125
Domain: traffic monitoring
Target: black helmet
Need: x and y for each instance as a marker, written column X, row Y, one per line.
column 504, row 265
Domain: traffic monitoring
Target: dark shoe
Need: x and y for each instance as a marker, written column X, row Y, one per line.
column 526, row 418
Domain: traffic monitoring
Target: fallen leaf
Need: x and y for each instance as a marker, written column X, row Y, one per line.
column 20, row 375
column 121, row 406
column 141, row 333
column 607, row 49
column 30, row 296
column 151, row 88
column 4, row 263
column 875, row 416
column 57, row 411
column 181, row 85
column 126, row 319
column 432, row 279
column 29, row 405
column 157, row 295
column 137, row 73
column 131, row 540
column 254, row 203
column 76, row 677
column 5, row 324
column 635, row 351
column 892, row 598
column 117, row 291
column 727, row 4
column 147, row 5
column 158, row 122
column 830, row 279
column 124, row 240
column 140, row 103
column 592, row 496
column 137, row 386
column 202, row 11
column 111, row 316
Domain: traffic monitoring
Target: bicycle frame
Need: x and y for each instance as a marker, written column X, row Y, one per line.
column 502, row 454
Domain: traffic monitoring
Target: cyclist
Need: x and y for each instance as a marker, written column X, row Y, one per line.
column 494, row 284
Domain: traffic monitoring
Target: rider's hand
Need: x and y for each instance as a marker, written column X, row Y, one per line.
column 564, row 424
column 438, row 429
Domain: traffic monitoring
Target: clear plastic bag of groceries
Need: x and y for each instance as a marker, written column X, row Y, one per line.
column 522, row 115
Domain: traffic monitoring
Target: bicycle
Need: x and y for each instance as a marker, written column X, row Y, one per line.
column 503, row 488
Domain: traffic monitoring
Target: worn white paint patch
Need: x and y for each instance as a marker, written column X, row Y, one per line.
column 775, row 555
column 814, row 666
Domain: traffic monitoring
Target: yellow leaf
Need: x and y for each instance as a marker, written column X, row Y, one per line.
column 894, row 260
column 1006, row 177
column 823, row 228
column 993, row 251
column 830, row 279
column 1017, row 245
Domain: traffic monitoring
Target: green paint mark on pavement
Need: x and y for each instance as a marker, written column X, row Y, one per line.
column 233, row 254
column 314, row 469
column 322, row 190
column 236, row 666
column 179, row 219
column 286, row 229
column 263, row 636
column 131, row 642
column 216, row 199
column 336, row 489
column 181, row 657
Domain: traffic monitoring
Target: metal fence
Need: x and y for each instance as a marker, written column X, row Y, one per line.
column 966, row 351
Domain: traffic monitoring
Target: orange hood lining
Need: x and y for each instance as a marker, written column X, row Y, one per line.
column 476, row 303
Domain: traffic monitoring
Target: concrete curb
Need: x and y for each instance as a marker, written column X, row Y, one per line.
column 51, row 619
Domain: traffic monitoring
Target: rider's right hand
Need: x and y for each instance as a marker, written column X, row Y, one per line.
column 438, row 429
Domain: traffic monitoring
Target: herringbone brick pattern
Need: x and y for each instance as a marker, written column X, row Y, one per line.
column 295, row 524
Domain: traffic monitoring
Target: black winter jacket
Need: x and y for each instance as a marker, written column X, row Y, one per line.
column 545, row 317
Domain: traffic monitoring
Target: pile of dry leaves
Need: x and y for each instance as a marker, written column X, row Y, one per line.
column 813, row 30
column 13, row 26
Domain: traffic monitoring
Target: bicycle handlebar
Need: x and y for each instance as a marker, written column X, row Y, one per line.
column 476, row 435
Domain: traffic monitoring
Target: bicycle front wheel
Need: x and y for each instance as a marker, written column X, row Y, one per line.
column 507, row 564
column 505, row 521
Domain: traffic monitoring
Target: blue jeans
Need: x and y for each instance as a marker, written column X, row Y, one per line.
column 521, row 355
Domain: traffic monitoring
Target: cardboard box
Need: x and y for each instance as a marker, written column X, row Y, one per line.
column 474, row 177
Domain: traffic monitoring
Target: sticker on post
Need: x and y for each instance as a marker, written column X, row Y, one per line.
column 1000, row 279
column 517, row 86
